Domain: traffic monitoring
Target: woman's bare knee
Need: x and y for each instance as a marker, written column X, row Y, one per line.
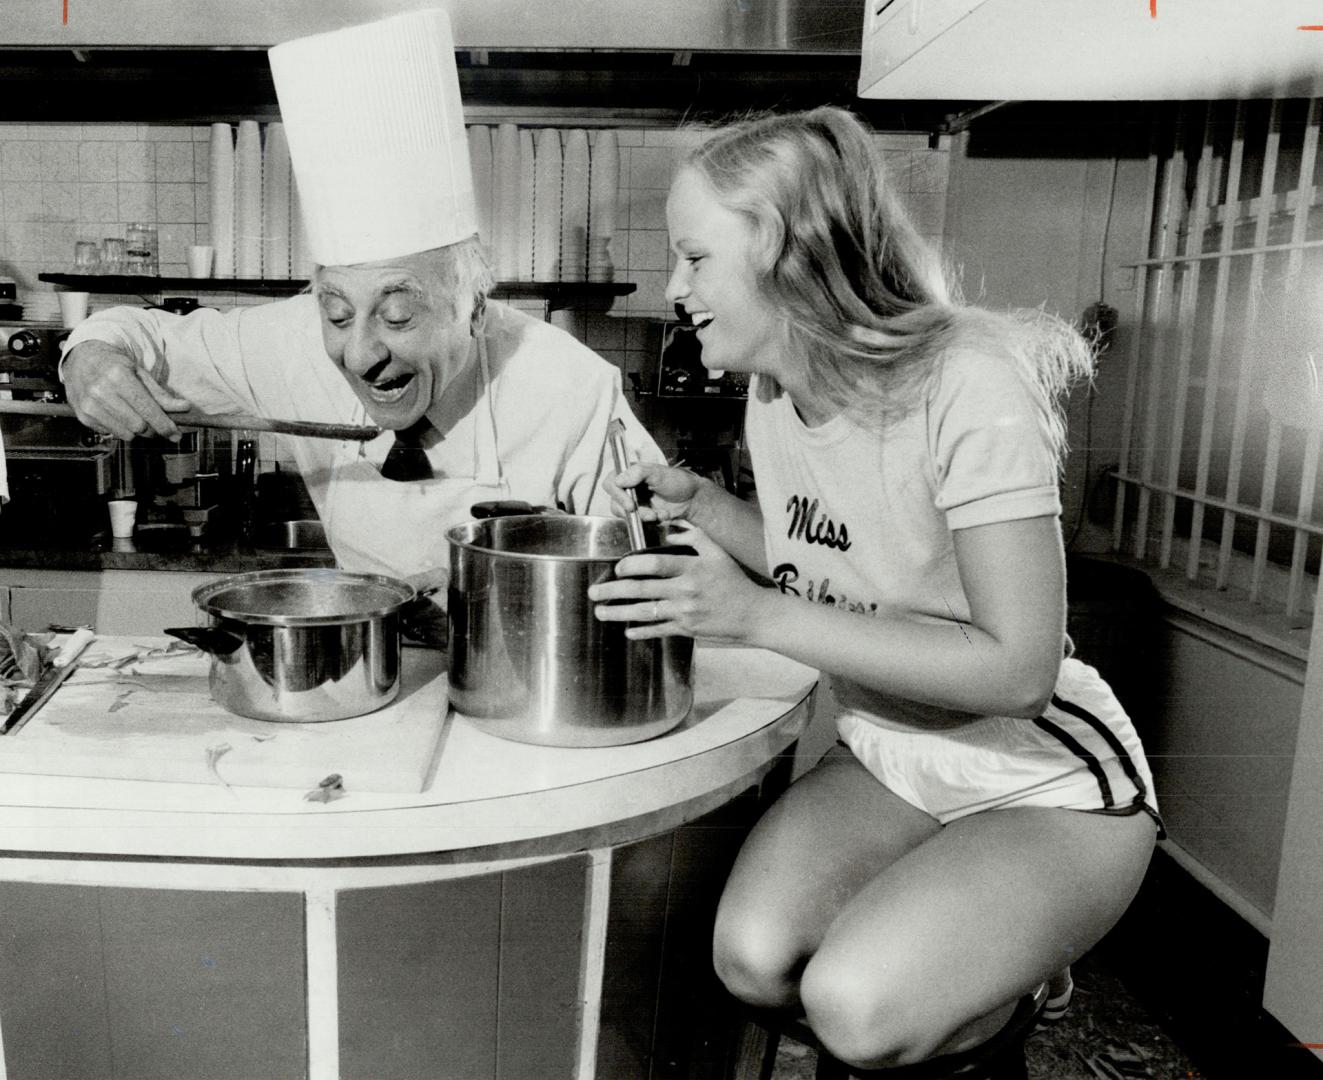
column 756, row 962
column 866, row 1022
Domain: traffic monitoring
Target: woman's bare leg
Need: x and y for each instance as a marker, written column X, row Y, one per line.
column 832, row 832
column 960, row 926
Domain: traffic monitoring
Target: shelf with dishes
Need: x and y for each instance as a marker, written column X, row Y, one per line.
column 556, row 294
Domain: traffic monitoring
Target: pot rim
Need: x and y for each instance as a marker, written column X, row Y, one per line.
column 202, row 595
column 537, row 556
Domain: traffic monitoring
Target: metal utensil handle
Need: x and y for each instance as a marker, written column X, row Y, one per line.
column 62, row 665
column 225, row 421
column 615, row 433
column 36, row 698
column 309, row 429
column 73, row 646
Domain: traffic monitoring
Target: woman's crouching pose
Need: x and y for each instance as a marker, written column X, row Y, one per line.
column 988, row 814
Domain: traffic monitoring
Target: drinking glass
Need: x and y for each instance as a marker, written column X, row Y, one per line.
column 113, row 255
column 141, row 248
column 87, row 257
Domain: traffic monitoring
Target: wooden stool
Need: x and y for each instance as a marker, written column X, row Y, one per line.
column 1000, row 1058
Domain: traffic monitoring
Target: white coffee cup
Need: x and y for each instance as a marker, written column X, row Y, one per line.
column 73, row 307
column 199, row 260
column 123, row 512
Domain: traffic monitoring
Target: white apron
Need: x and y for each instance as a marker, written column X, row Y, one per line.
column 399, row 528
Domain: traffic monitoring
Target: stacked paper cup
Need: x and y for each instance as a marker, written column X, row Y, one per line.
column 301, row 263
column 275, row 203
column 603, row 185
column 248, row 201
column 480, row 161
column 221, row 197
column 505, row 200
column 546, row 205
column 574, row 206
column 527, row 160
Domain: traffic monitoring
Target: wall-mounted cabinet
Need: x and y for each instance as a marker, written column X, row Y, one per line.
column 1087, row 50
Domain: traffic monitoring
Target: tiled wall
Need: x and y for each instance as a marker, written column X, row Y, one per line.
column 64, row 182
column 60, row 183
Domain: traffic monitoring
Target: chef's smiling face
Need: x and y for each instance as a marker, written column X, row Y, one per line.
column 715, row 279
column 397, row 332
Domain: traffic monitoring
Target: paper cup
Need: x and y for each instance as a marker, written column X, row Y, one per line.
column 73, row 307
column 123, row 512
column 199, row 260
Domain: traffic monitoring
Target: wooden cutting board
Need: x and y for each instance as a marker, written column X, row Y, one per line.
column 153, row 719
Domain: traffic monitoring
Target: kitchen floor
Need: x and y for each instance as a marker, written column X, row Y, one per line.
column 1107, row 1034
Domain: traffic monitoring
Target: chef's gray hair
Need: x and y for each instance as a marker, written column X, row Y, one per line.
column 865, row 299
column 464, row 278
column 465, row 274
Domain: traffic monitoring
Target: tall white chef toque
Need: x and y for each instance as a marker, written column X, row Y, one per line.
column 376, row 138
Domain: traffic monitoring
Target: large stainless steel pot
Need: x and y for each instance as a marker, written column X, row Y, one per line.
column 528, row 660
column 301, row 645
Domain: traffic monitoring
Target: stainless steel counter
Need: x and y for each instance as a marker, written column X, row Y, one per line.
column 178, row 553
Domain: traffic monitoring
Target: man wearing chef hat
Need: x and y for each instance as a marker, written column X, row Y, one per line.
column 482, row 401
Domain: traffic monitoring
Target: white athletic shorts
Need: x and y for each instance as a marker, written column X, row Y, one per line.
column 1082, row 754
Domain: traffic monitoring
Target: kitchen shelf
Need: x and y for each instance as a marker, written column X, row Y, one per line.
column 557, row 294
column 155, row 283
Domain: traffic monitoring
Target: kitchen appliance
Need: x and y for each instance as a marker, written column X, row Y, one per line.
column 707, row 441
column 529, row 661
column 680, row 370
column 29, row 356
column 59, row 472
column 10, row 308
column 301, row 645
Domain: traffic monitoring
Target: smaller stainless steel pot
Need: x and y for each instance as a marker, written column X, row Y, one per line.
column 301, row 645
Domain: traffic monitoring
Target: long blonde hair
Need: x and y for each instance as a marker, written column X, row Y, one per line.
column 865, row 299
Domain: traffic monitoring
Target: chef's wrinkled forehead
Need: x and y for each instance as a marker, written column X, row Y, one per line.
column 376, row 138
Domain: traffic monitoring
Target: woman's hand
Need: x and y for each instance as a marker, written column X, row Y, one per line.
column 704, row 595
column 111, row 393
column 664, row 492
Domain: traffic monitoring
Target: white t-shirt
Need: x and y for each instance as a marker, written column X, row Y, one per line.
column 862, row 519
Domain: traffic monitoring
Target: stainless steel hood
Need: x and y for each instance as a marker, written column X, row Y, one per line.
column 549, row 61
column 812, row 26
column 545, row 61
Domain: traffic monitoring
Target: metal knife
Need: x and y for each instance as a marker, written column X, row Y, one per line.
column 61, row 668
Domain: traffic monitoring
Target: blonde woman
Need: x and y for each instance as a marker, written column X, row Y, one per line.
column 988, row 813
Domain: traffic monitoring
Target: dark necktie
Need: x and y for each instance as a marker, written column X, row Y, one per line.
column 407, row 459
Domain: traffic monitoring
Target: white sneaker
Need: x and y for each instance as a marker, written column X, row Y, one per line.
column 1058, row 1001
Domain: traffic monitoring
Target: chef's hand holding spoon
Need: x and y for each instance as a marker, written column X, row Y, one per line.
column 705, row 594
column 111, row 393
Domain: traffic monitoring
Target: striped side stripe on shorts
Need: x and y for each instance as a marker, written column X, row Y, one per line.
column 1095, row 766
